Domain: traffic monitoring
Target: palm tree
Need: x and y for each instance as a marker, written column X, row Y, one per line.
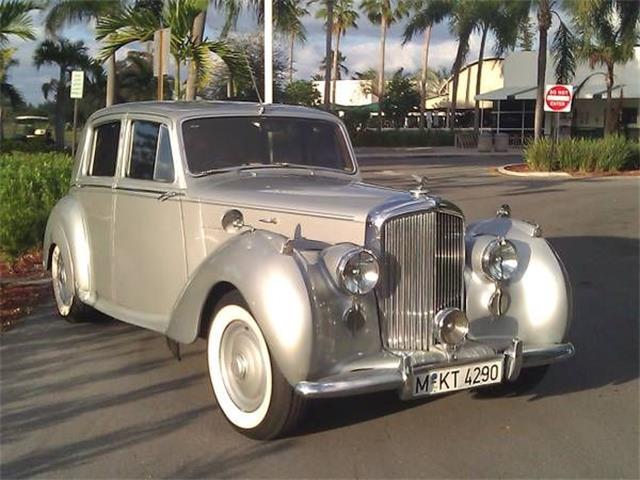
column 462, row 16
column 544, row 14
column 502, row 17
column 289, row 23
column 135, row 25
column 608, row 31
column 15, row 19
column 426, row 14
column 9, row 94
column 66, row 12
column 344, row 17
column 383, row 13
column 67, row 56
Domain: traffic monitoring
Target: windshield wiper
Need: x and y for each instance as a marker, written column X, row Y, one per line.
column 251, row 166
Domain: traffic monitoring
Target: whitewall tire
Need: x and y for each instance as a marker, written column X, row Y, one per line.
column 248, row 386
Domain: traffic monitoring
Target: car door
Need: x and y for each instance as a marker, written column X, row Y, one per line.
column 149, row 253
column 96, row 181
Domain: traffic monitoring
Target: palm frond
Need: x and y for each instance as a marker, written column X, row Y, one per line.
column 15, row 20
column 562, row 48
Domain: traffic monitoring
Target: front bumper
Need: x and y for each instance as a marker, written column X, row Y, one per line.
column 395, row 375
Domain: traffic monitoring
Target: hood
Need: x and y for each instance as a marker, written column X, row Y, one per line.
column 333, row 196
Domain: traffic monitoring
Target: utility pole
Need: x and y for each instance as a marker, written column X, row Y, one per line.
column 268, row 51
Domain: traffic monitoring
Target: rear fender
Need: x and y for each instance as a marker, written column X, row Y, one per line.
column 66, row 228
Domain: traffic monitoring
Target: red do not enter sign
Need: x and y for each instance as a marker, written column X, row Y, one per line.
column 557, row 98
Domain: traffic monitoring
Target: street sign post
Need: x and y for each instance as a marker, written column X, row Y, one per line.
column 558, row 99
column 76, row 92
column 161, row 47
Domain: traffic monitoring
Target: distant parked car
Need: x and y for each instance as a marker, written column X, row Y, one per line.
column 250, row 226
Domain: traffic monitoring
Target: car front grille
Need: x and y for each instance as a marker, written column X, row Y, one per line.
column 422, row 273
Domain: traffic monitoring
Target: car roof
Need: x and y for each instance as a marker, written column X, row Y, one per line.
column 178, row 110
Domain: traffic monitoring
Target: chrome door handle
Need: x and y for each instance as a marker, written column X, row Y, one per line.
column 167, row 195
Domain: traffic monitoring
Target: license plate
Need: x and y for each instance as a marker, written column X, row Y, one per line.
column 448, row 379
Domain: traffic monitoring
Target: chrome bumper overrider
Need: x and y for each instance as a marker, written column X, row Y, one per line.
column 376, row 379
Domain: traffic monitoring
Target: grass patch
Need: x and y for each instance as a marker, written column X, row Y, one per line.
column 609, row 154
column 30, row 185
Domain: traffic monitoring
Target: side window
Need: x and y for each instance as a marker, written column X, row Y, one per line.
column 105, row 149
column 151, row 157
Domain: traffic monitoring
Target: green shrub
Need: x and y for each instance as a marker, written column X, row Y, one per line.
column 539, row 155
column 609, row 154
column 403, row 138
column 30, row 146
column 30, row 185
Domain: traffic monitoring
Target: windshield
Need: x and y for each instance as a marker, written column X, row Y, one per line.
column 229, row 142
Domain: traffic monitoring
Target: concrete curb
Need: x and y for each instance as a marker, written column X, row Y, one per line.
column 24, row 282
column 503, row 170
column 438, row 154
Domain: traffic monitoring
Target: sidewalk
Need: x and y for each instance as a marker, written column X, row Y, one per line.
column 387, row 152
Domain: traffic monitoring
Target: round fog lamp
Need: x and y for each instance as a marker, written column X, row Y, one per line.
column 358, row 272
column 452, row 326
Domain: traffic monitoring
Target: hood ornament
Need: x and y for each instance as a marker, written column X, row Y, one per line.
column 421, row 190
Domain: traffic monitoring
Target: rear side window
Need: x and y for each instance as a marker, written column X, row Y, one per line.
column 151, row 157
column 105, row 150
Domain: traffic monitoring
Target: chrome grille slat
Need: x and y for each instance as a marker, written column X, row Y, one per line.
column 423, row 263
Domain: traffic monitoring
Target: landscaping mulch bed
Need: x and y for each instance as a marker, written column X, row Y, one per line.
column 524, row 168
column 23, row 285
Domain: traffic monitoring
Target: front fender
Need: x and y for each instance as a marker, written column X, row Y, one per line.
column 273, row 286
column 540, row 293
column 66, row 228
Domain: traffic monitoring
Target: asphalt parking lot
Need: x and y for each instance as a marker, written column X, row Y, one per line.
column 107, row 400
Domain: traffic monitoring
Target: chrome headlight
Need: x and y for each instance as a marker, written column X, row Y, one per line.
column 500, row 260
column 358, row 271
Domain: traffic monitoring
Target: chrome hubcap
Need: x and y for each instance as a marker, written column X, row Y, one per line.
column 61, row 286
column 243, row 366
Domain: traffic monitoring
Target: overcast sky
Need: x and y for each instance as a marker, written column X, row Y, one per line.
column 360, row 46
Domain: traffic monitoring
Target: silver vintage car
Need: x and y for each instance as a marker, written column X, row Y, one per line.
column 249, row 226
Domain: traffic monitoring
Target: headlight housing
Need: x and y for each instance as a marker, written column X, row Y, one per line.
column 358, row 271
column 500, row 260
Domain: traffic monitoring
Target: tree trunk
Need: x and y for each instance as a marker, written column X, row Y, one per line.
column 610, row 120
column 292, row 43
column 424, row 76
column 457, row 65
column 327, row 57
column 197, row 33
column 111, row 80
column 178, row 87
column 383, row 40
column 336, row 65
column 476, row 123
column 544, row 22
column 59, row 108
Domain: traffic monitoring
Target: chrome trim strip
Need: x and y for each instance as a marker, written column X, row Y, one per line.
column 545, row 355
column 352, row 383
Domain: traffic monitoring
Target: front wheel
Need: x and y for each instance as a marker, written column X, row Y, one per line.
column 250, row 390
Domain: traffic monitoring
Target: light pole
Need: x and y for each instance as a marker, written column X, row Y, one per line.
column 268, row 51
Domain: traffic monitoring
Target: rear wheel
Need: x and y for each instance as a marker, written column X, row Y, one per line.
column 67, row 303
column 250, row 390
